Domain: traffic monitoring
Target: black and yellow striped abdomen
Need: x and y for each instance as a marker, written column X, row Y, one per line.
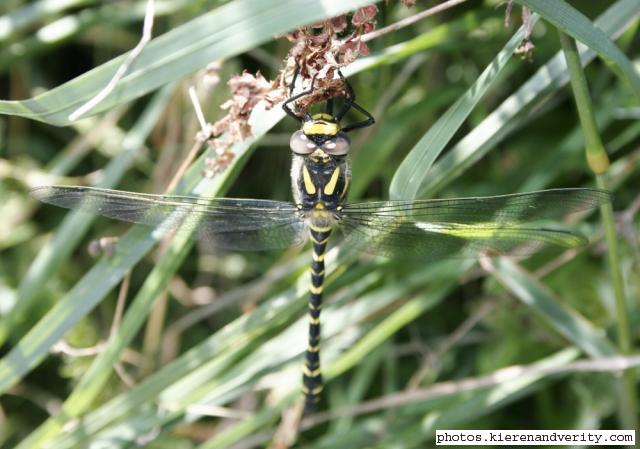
column 320, row 182
column 312, row 376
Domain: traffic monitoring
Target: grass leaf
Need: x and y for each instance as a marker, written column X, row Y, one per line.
column 566, row 321
column 573, row 22
column 414, row 168
column 227, row 31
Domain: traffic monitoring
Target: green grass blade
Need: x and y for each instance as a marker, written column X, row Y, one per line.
column 228, row 30
column 76, row 223
column 179, row 382
column 414, row 168
column 340, row 319
column 102, row 278
column 505, row 118
column 443, row 275
column 564, row 320
column 484, row 401
column 571, row 21
column 65, row 28
column 211, row 357
column 367, row 162
column 20, row 18
column 93, row 381
column 570, row 149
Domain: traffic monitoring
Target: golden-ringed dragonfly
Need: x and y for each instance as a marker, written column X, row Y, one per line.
column 427, row 230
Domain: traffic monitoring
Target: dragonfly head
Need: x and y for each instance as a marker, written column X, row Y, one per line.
column 320, row 138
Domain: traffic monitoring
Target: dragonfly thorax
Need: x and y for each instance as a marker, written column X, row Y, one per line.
column 320, row 183
column 320, row 171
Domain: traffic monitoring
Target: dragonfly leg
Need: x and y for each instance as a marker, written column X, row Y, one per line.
column 350, row 102
column 329, row 107
column 287, row 105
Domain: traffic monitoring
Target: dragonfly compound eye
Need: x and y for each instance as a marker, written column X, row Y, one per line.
column 338, row 145
column 301, row 144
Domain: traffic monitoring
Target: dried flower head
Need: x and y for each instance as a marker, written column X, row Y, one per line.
column 319, row 50
column 246, row 91
column 526, row 47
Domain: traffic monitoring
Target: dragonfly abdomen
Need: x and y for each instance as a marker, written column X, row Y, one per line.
column 312, row 376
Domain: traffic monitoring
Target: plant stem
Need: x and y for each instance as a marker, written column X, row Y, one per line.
column 598, row 162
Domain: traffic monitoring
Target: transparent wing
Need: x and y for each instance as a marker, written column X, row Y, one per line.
column 466, row 227
column 236, row 224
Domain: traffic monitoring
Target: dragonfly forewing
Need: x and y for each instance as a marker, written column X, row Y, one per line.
column 467, row 227
column 226, row 223
column 513, row 208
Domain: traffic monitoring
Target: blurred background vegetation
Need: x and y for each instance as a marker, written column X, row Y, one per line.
column 207, row 351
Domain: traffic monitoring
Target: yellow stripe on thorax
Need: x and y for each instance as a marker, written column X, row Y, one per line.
column 330, row 187
column 308, row 183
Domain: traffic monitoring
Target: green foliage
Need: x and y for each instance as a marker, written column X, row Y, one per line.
column 211, row 343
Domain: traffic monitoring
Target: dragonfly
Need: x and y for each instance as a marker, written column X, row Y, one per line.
column 427, row 230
